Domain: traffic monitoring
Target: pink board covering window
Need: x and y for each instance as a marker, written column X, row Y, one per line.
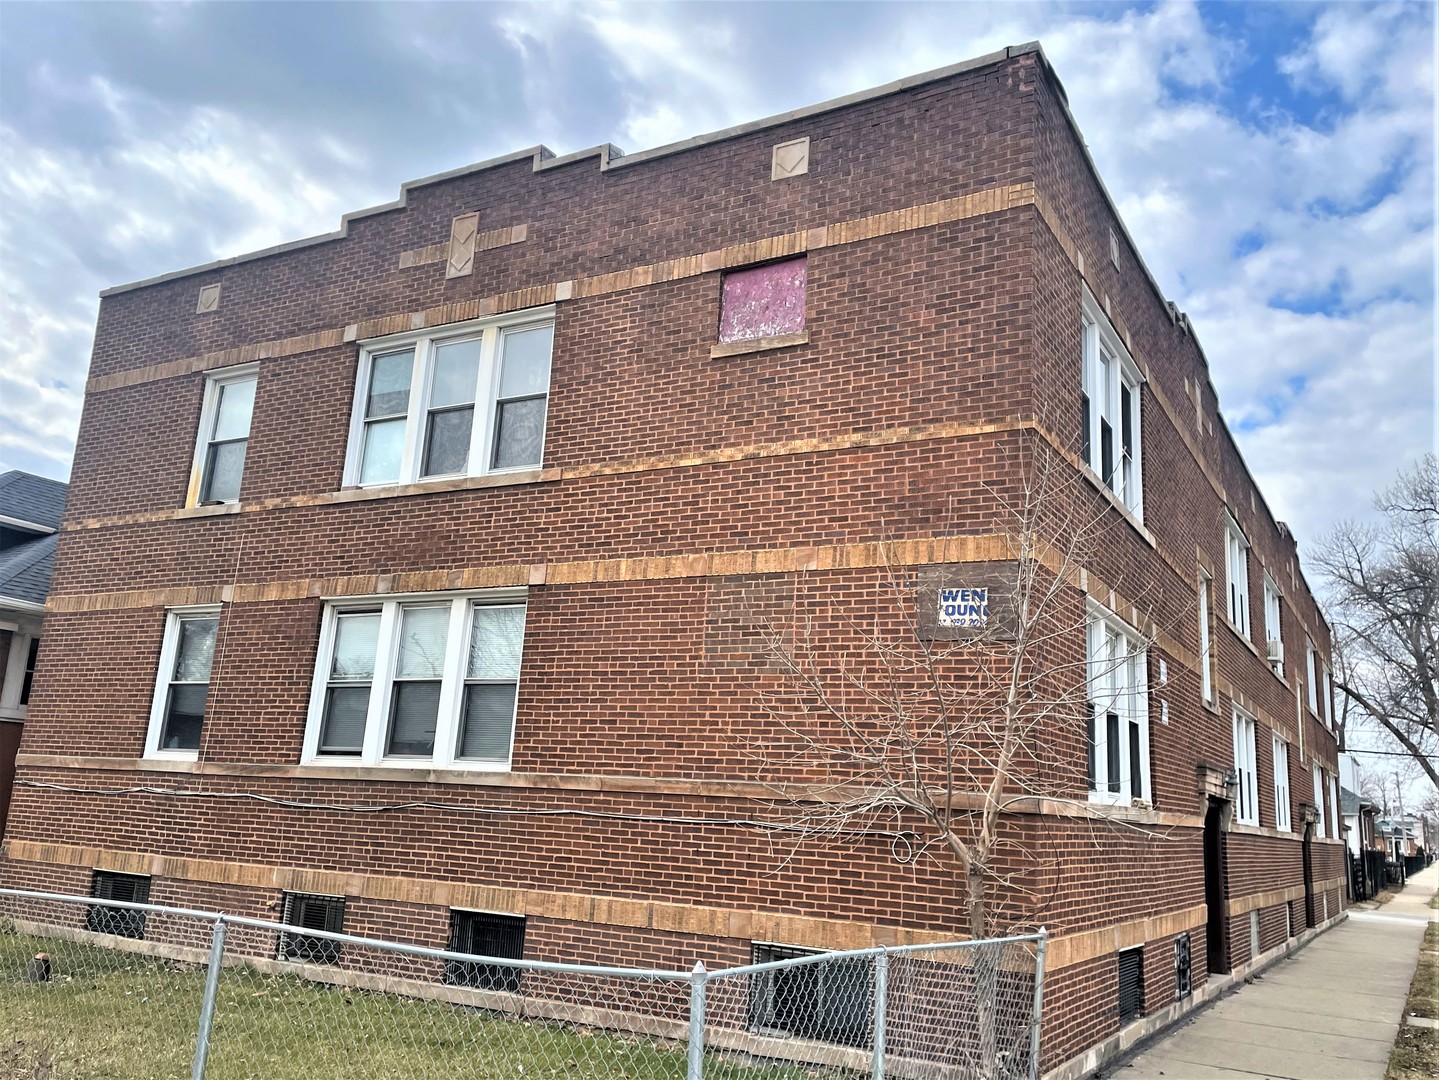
column 763, row 301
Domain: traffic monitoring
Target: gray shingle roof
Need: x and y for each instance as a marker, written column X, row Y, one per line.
column 25, row 567
column 27, row 497
column 25, row 570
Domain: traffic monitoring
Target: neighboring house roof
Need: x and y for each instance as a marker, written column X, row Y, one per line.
column 34, row 499
column 1350, row 802
column 25, row 567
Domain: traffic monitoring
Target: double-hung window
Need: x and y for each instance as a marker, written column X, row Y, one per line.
column 422, row 680
column 460, row 402
column 1281, row 784
column 1319, row 801
column 183, row 685
column 1311, row 675
column 224, row 436
column 1206, row 646
column 1273, row 632
column 1236, row 561
column 1118, row 735
column 1246, row 808
column 1110, row 437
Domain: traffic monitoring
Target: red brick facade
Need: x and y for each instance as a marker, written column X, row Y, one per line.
column 950, row 229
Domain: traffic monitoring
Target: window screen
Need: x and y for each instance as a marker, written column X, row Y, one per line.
column 483, row 934
column 127, row 888
column 325, row 913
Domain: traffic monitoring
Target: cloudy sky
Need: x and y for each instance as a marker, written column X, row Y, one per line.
column 1275, row 165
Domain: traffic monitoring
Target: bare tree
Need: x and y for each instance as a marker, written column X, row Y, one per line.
column 892, row 719
column 1383, row 586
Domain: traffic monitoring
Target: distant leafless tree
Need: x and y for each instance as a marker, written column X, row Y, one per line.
column 1382, row 582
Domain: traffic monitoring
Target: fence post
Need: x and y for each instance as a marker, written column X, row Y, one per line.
column 881, row 996
column 697, row 1022
column 1034, row 1022
column 207, row 1006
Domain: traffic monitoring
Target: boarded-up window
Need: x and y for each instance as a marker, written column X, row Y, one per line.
column 763, row 301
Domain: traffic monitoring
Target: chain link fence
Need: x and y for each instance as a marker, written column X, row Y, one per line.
column 93, row 986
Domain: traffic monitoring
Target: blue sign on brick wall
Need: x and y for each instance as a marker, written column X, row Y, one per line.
column 968, row 608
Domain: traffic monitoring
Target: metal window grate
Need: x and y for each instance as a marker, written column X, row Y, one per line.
column 828, row 1002
column 128, row 888
column 325, row 913
column 1131, row 985
column 485, row 934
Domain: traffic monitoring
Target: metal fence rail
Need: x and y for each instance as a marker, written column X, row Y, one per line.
column 129, row 989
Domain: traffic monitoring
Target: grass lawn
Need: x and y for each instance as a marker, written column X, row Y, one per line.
column 107, row 1015
column 1415, row 1055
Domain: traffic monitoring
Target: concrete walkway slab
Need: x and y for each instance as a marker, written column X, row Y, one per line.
column 1330, row 1012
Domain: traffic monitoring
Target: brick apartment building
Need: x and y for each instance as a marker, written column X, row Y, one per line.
column 457, row 516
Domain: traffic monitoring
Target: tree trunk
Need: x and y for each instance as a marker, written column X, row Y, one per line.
column 986, row 978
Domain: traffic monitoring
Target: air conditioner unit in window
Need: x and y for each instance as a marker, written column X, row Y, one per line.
column 1276, row 651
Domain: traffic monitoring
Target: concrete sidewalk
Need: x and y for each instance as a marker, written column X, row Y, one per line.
column 1330, row 1012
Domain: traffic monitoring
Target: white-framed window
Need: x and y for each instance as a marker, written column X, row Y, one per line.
column 1273, row 626
column 461, row 401
column 1311, row 675
column 1246, row 807
column 1110, row 435
column 1236, row 562
column 1333, row 791
column 1118, row 734
column 224, row 436
column 1326, row 695
column 182, row 685
column 417, row 680
column 1281, row 784
column 1319, row 801
column 1206, row 647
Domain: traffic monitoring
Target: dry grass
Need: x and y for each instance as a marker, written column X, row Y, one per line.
column 1415, row 1055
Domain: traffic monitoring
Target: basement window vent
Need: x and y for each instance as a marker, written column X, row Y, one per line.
column 483, row 934
column 828, row 1000
column 122, row 922
column 326, row 913
column 1183, row 967
column 1131, row 985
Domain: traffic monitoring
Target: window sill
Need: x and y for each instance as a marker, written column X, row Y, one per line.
column 187, row 757
column 398, row 769
column 220, row 510
column 459, row 483
column 750, row 345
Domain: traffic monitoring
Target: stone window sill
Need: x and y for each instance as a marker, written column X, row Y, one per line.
column 751, row 345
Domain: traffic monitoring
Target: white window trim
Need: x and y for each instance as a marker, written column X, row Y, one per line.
column 1310, row 680
column 1097, row 330
column 1099, row 619
column 173, row 617
column 481, row 431
column 457, row 647
column 1246, row 768
column 1319, row 826
column 1273, row 625
column 214, row 382
column 12, row 678
column 1206, row 643
column 1326, row 695
column 1281, row 784
column 1236, row 574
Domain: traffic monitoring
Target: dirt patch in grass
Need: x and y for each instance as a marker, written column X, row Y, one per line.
column 1415, row 1055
